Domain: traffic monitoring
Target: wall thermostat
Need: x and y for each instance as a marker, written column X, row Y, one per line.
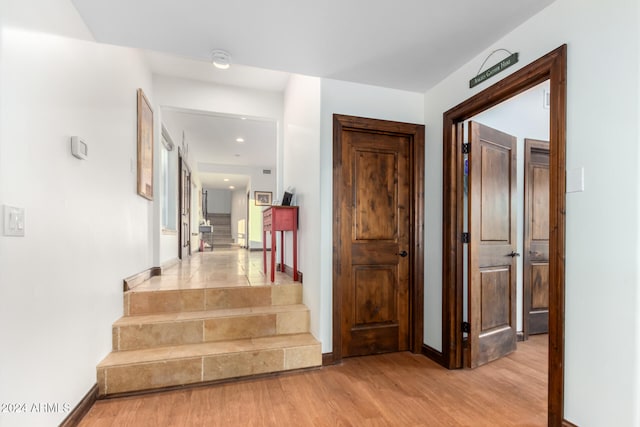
column 79, row 148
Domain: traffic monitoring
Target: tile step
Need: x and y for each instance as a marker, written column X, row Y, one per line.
column 137, row 370
column 171, row 329
column 201, row 299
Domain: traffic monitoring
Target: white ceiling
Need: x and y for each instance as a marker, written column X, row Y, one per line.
column 211, row 140
column 196, row 69
column 403, row 44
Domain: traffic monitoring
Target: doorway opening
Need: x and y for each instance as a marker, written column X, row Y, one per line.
column 550, row 67
column 506, row 183
column 229, row 157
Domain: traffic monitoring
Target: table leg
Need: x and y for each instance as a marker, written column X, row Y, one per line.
column 264, row 251
column 282, row 251
column 274, row 236
column 295, row 253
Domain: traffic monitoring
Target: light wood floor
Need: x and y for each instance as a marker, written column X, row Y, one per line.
column 398, row 389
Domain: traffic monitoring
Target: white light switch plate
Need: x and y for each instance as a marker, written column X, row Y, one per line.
column 575, row 180
column 13, row 221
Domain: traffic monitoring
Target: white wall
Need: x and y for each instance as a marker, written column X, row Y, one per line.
column 301, row 171
column 218, row 201
column 602, row 359
column 166, row 241
column 239, row 213
column 339, row 97
column 86, row 228
column 195, row 95
column 58, row 17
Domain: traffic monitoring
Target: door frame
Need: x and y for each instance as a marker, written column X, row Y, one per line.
column 415, row 133
column 182, row 167
column 551, row 67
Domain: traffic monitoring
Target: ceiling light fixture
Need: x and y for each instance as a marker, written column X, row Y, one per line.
column 226, row 180
column 221, row 59
column 240, row 140
column 231, row 187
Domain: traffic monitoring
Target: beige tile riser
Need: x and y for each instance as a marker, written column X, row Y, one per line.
column 292, row 322
column 191, row 364
column 302, row 357
column 223, row 298
column 286, row 294
column 232, row 328
column 184, row 300
column 148, row 376
column 190, row 370
column 224, row 366
column 154, row 302
column 134, row 337
column 185, row 331
column 125, row 301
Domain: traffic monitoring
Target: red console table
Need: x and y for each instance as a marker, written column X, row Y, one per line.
column 280, row 218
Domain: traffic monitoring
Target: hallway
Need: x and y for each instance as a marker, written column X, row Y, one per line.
column 390, row 389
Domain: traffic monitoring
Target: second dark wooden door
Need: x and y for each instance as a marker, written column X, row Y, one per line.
column 492, row 256
column 536, row 238
column 374, row 230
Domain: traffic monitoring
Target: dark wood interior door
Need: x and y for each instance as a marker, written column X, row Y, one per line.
column 373, row 280
column 184, row 250
column 492, row 246
column 536, row 238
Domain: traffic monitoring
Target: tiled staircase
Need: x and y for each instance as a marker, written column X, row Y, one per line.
column 176, row 337
column 221, row 223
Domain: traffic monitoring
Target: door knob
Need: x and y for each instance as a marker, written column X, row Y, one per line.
column 403, row 254
column 513, row 254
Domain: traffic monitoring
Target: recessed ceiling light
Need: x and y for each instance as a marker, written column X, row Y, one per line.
column 240, row 140
column 243, row 118
column 231, row 187
column 226, row 180
column 221, row 59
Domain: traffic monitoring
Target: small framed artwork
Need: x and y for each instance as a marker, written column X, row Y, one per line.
column 263, row 198
column 145, row 147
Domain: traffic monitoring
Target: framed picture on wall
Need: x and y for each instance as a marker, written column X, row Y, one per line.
column 263, row 198
column 145, row 147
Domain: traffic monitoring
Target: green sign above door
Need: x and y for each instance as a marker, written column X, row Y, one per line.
column 502, row 65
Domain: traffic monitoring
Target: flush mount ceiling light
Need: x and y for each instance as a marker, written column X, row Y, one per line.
column 239, row 140
column 226, row 180
column 221, row 59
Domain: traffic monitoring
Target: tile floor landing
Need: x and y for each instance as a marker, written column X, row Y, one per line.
column 217, row 268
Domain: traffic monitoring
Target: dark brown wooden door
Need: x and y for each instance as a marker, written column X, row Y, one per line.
column 373, row 280
column 536, row 238
column 492, row 229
